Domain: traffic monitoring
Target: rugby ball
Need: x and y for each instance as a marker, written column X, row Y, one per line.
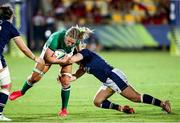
column 59, row 54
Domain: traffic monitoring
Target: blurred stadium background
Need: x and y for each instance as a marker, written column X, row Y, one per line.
column 141, row 37
column 118, row 24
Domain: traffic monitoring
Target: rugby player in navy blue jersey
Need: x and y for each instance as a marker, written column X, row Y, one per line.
column 8, row 32
column 113, row 80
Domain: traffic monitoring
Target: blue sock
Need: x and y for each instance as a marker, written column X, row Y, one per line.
column 148, row 99
column 106, row 104
column 3, row 100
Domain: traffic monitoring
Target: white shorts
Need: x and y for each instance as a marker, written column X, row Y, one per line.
column 117, row 86
column 5, row 77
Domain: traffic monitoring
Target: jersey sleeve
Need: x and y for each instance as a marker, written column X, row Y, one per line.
column 52, row 42
column 85, row 53
column 14, row 32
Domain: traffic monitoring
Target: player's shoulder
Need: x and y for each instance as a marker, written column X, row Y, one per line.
column 86, row 52
column 9, row 27
column 5, row 23
column 56, row 37
column 57, row 34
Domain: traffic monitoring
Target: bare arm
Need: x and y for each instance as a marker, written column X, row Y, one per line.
column 78, row 73
column 50, row 58
column 21, row 45
column 76, row 58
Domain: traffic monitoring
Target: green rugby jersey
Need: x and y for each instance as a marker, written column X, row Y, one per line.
column 56, row 41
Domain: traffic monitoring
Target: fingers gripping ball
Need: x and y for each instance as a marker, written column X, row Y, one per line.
column 59, row 54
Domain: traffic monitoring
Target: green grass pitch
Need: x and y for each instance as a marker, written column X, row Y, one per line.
column 155, row 73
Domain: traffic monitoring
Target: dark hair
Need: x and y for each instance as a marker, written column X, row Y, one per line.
column 6, row 11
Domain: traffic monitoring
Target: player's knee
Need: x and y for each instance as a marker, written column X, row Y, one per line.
column 65, row 84
column 5, row 91
column 6, row 87
column 64, row 80
column 97, row 102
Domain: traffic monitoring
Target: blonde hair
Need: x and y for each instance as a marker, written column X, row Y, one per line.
column 79, row 33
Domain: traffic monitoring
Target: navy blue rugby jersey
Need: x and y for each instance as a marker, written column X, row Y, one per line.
column 94, row 64
column 7, row 32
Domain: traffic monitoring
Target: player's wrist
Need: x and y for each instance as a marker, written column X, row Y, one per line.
column 34, row 58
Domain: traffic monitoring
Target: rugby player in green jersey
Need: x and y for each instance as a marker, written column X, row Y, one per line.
column 67, row 40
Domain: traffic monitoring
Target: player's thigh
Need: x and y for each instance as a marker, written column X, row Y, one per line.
column 5, row 80
column 65, row 73
column 102, row 94
column 131, row 94
column 66, row 69
column 37, row 75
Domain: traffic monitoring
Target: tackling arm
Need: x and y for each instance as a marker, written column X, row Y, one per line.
column 75, row 58
column 78, row 73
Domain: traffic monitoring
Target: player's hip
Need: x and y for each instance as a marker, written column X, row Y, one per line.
column 5, row 76
column 117, row 81
column 2, row 63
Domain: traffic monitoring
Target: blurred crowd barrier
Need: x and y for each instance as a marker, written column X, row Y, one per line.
column 133, row 37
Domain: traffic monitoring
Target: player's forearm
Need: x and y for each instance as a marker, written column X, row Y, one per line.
column 79, row 73
column 50, row 58
column 19, row 42
column 76, row 58
column 29, row 54
column 53, row 60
